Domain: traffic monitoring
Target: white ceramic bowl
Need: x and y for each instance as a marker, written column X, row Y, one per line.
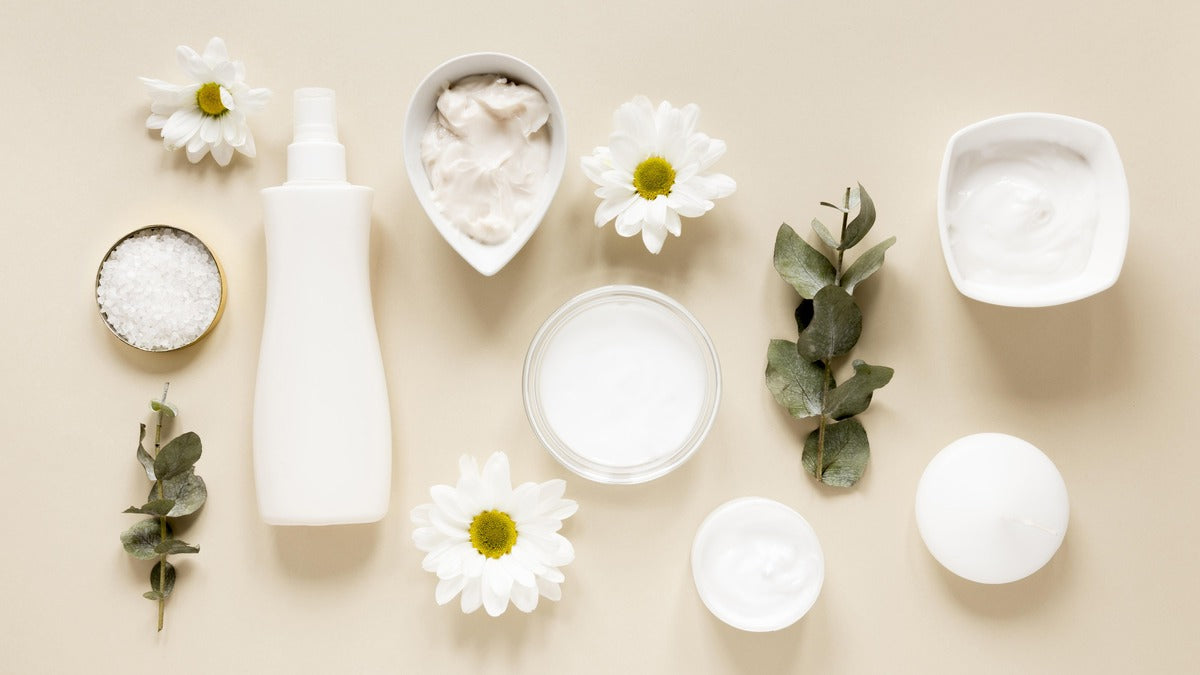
column 1090, row 141
column 486, row 258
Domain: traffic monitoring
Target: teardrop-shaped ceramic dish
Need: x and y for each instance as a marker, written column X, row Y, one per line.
column 486, row 258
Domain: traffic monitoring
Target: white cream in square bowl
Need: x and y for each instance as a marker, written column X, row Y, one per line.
column 1033, row 210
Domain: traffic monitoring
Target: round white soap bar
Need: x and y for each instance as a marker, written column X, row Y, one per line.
column 621, row 384
column 757, row 564
column 992, row 508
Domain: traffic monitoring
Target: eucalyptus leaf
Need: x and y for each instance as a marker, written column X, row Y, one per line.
column 835, row 327
column 156, row 507
column 824, row 233
column 173, row 546
column 866, row 265
column 167, row 409
column 854, row 395
column 796, row 384
column 153, row 595
column 141, row 540
column 861, row 224
column 177, row 456
column 801, row 265
column 167, row 579
column 187, row 490
column 144, row 457
column 844, row 457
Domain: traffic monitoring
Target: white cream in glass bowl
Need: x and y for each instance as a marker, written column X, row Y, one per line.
column 1033, row 210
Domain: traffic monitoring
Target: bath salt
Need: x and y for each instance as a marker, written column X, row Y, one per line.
column 159, row 289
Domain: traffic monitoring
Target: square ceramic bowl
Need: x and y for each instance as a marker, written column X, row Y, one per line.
column 487, row 259
column 1033, row 210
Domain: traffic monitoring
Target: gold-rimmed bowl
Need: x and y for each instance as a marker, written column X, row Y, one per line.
column 145, row 231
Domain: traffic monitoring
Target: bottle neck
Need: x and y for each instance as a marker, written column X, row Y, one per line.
column 319, row 161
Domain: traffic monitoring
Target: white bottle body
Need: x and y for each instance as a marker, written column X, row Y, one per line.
column 322, row 422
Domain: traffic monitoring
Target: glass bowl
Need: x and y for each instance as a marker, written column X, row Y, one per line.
column 680, row 327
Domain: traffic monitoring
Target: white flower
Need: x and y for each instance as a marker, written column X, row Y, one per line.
column 652, row 171
column 493, row 543
column 209, row 114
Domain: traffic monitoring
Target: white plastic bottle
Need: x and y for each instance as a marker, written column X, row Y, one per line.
column 322, row 425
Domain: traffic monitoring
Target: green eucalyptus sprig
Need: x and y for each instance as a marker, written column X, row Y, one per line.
column 177, row 491
column 800, row 374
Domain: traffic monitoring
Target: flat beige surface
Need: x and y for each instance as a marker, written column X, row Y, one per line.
column 809, row 97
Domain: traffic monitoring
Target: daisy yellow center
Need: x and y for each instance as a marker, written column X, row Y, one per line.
column 493, row 533
column 653, row 177
column 209, row 100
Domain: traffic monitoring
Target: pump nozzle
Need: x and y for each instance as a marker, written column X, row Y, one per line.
column 315, row 153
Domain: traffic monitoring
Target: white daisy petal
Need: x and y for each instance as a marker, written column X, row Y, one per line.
column 687, row 202
column 181, row 127
column 227, row 99
column 448, row 588
column 210, row 130
column 690, row 115
column 653, row 238
column 627, row 152
column 656, row 212
column 611, row 208
column 254, row 100
column 549, row 589
column 193, row 65
column 496, row 477
column 593, row 166
column 553, row 574
column 636, row 119
column 523, row 503
column 707, row 150
column 428, row 538
column 473, row 564
column 156, row 121
column 714, row 185
column 472, row 595
column 673, row 224
column 497, row 585
column 629, row 221
column 520, row 574
column 247, row 146
column 525, row 598
column 197, row 154
column 446, row 499
column 215, row 52
column 551, row 490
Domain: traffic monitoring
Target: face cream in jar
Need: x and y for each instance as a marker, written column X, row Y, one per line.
column 757, row 564
column 621, row 384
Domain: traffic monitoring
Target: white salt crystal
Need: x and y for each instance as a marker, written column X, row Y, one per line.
column 159, row 289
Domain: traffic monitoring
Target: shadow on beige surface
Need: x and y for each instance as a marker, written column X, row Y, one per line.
column 1054, row 352
column 319, row 552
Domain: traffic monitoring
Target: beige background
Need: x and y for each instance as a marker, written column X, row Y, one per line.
column 810, row 97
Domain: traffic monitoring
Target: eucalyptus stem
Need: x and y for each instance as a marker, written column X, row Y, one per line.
column 162, row 558
column 837, row 279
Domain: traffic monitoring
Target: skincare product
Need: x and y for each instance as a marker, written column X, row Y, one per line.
column 486, row 151
column 160, row 289
column 621, row 384
column 322, row 426
column 757, row 564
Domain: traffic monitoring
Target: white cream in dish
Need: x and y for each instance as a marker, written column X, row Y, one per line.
column 757, row 564
column 623, row 383
column 1022, row 213
column 486, row 151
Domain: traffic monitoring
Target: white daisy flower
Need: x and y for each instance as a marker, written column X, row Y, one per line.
column 210, row 114
column 492, row 543
column 652, row 171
